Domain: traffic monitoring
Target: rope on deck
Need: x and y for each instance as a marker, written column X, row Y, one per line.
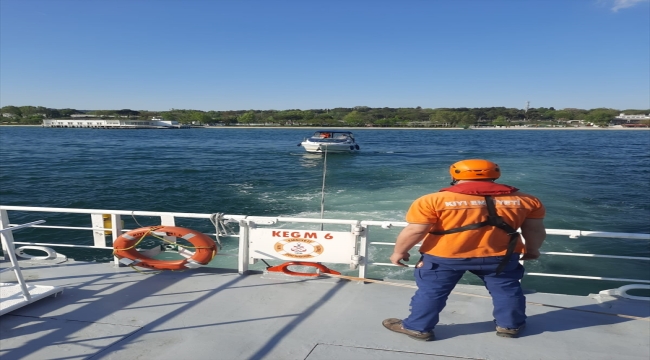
column 352, row 278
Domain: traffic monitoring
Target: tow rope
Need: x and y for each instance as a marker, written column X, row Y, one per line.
column 352, row 278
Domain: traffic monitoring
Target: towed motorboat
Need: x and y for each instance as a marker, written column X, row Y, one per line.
column 331, row 142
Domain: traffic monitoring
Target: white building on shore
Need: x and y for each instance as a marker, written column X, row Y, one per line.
column 155, row 123
column 631, row 119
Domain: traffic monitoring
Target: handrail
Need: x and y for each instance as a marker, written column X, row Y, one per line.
column 595, row 255
column 589, row 277
column 16, row 227
column 364, row 241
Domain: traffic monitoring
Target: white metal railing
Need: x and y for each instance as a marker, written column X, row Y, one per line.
column 360, row 228
column 7, row 241
column 18, row 295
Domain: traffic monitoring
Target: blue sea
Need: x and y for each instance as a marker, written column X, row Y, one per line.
column 597, row 180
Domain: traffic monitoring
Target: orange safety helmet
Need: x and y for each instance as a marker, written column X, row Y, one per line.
column 474, row 169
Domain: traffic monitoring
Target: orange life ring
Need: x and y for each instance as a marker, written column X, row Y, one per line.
column 205, row 248
column 283, row 268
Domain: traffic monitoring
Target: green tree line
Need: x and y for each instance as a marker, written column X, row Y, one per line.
column 357, row 116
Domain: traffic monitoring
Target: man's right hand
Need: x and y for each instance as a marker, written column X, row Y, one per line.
column 397, row 257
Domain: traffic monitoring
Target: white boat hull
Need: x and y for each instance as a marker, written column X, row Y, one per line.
column 321, row 147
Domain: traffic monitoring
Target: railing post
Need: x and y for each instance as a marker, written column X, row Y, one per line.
column 242, row 266
column 4, row 223
column 168, row 220
column 363, row 251
column 116, row 231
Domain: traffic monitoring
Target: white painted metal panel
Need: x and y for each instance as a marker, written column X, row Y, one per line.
column 99, row 235
column 302, row 245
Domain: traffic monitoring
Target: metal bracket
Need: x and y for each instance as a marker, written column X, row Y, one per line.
column 359, row 231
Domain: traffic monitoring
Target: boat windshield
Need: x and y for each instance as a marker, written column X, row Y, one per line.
column 341, row 136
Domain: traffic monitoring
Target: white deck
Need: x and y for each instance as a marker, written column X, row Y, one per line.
column 118, row 313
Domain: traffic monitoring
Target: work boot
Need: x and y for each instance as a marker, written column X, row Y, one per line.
column 395, row 325
column 509, row 333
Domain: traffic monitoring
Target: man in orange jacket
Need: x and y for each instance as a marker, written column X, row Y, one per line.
column 470, row 226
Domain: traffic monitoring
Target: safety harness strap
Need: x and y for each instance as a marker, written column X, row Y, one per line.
column 462, row 228
column 492, row 220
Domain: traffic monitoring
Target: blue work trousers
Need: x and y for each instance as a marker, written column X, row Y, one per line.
column 438, row 276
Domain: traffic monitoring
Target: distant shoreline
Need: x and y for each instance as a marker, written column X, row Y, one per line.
column 397, row 128
column 418, row 128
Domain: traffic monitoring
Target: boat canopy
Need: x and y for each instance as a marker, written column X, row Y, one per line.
column 328, row 134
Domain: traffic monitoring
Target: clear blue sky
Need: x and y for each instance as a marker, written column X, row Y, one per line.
column 317, row 54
